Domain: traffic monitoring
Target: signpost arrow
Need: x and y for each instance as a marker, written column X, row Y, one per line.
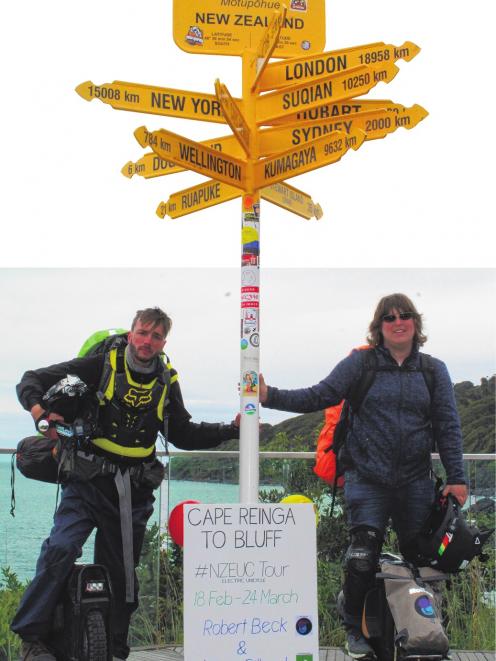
column 234, row 116
column 189, row 200
column 375, row 123
column 299, row 69
column 193, row 156
column 151, row 165
column 313, row 155
column 268, row 43
column 290, row 198
column 349, row 107
column 320, row 91
column 212, row 192
column 154, row 100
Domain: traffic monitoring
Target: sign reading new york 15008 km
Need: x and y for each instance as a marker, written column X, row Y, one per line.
column 228, row 27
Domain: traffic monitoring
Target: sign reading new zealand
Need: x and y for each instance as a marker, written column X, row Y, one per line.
column 227, row 27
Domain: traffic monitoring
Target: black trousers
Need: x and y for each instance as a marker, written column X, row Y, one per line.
column 84, row 507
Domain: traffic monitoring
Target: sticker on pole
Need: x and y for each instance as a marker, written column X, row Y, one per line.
column 250, row 582
column 228, row 27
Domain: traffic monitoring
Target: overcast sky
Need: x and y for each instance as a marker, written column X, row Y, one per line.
column 421, row 197
column 310, row 319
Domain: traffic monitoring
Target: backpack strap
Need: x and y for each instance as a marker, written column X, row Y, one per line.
column 427, row 369
column 362, row 386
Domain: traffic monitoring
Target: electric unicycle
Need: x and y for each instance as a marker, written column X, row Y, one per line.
column 82, row 620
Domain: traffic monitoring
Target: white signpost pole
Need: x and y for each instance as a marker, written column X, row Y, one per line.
column 250, row 310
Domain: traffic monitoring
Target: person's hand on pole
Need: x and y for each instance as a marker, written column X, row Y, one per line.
column 459, row 491
column 262, row 389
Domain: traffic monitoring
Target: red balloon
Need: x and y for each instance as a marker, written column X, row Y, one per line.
column 176, row 521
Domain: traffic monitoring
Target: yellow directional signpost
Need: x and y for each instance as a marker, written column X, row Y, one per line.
column 199, row 197
column 234, row 116
column 267, row 46
column 375, row 124
column 214, row 192
column 151, row 165
column 299, row 113
column 154, row 100
column 322, row 90
column 314, row 154
column 193, row 155
column 290, row 198
column 378, row 56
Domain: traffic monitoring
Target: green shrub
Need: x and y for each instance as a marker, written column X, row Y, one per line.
column 11, row 591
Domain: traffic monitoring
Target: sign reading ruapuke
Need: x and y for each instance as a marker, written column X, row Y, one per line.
column 250, row 588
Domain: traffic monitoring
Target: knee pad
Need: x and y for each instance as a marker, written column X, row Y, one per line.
column 363, row 552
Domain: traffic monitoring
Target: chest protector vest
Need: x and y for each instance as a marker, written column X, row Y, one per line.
column 131, row 414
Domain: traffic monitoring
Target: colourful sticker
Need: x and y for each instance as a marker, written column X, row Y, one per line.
column 249, row 321
column 304, row 626
column 244, row 344
column 424, row 607
column 250, row 409
column 194, row 36
column 248, row 277
column 446, row 540
column 298, row 5
column 250, row 383
column 255, row 339
column 248, row 259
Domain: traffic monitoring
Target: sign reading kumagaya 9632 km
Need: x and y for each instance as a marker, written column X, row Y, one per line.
column 250, row 588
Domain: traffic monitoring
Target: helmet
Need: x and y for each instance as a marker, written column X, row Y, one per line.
column 446, row 541
column 70, row 397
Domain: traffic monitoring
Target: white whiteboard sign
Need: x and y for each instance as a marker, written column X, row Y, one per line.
column 250, row 583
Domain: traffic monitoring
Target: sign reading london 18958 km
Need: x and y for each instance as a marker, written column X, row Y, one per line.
column 228, row 27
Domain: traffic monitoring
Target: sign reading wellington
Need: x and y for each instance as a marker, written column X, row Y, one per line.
column 193, row 155
column 250, row 588
column 228, row 27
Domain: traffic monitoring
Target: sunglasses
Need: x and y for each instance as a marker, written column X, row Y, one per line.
column 404, row 316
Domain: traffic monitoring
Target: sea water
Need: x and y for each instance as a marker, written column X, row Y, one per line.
column 21, row 536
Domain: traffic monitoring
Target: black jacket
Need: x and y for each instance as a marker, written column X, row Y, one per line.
column 182, row 433
column 392, row 435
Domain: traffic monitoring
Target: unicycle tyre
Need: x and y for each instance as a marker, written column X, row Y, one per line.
column 94, row 643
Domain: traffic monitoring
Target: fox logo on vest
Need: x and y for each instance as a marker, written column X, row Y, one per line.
column 137, row 398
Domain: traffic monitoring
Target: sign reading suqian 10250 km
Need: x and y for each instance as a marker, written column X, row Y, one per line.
column 228, row 27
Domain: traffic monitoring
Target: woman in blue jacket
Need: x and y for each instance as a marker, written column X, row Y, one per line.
column 388, row 444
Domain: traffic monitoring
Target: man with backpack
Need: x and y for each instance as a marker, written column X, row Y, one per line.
column 136, row 396
column 400, row 406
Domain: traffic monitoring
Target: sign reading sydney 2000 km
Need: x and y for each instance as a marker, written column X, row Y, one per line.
column 250, row 587
column 227, row 27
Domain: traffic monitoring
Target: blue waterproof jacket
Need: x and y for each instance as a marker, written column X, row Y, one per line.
column 392, row 435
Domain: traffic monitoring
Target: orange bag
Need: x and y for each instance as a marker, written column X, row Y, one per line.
column 325, row 457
